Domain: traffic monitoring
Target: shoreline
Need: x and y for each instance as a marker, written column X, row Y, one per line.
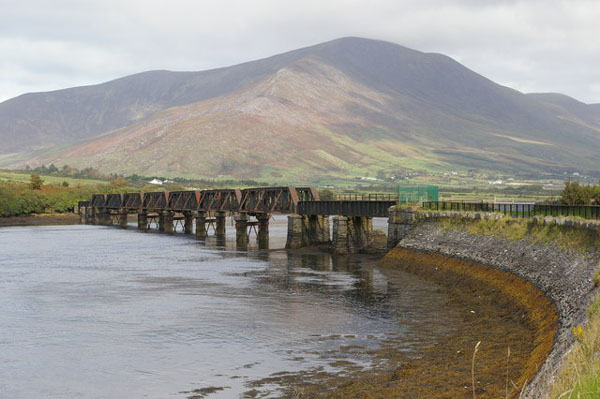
column 45, row 219
column 564, row 275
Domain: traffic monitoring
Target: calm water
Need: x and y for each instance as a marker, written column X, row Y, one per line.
column 99, row 312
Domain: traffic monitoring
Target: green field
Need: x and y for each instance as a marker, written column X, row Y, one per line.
column 21, row 177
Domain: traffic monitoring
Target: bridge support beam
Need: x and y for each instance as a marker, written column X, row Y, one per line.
column 188, row 222
column 201, row 225
column 82, row 214
column 167, row 218
column 400, row 222
column 105, row 217
column 123, row 218
column 352, row 234
column 221, row 218
column 142, row 220
column 263, row 230
column 307, row 230
column 241, row 230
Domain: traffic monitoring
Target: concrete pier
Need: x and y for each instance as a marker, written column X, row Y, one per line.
column 168, row 226
column 104, row 217
column 352, row 234
column 263, row 230
column 221, row 219
column 307, row 230
column 188, row 222
column 123, row 218
column 400, row 222
column 201, row 225
column 142, row 220
column 241, row 230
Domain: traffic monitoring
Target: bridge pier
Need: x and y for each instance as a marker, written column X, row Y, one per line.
column 400, row 222
column 307, row 230
column 352, row 234
column 143, row 220
column 168, row 227
column 188, row 225
column 263, row 230
column 123, row 218
column 105, row 217
column 201, row 225
column 241, row 230
column 221, row 219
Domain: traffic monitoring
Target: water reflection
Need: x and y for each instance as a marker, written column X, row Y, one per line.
column 92, row 311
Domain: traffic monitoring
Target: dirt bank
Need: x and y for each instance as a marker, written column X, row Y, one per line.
column 564, row 276
column 40, row 220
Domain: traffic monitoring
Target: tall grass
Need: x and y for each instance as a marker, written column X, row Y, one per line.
column 579, row 377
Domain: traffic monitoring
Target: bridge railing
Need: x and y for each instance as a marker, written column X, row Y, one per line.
column 519, row 210
column 346, row 208
column 184, row 200
column 365, row 197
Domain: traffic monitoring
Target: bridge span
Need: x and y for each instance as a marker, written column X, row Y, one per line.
column 251, row 208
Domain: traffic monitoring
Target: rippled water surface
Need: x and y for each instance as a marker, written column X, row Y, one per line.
column 100, row 312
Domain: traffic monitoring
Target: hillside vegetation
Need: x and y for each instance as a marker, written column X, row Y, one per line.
column 346, row 108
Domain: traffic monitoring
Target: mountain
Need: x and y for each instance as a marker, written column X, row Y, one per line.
column 348, row 107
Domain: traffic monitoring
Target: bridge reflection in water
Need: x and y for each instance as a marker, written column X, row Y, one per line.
column 308, row 220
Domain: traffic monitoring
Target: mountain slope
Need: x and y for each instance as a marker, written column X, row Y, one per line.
column 346, row 107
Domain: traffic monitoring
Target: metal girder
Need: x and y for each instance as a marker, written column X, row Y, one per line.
column 83, row 204
column 346, row 208
column 133, row 200
column 269, row 199
column 98, row 200
column 307, row 194
column 156, row 200
column 220, row 200
column 184, row 200
column 114, row 201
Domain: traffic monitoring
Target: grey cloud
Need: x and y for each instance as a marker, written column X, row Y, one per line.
column 542, row 46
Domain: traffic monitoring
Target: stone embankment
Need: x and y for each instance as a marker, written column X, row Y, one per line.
column 565, row 275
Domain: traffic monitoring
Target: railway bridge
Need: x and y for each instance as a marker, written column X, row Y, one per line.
column 206, row 210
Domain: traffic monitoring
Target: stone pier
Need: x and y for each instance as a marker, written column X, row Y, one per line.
column 221, row 219
column 241, row 230
column 168, row 226
column 307, row 230
column 352, row 234
column 143, row 220
column 123, row 218
column 201, row 225
column 104, row 217
column 188, row 222
column 400, row 222
column 263, row 230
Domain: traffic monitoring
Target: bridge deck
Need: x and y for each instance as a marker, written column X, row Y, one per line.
column 346, row 208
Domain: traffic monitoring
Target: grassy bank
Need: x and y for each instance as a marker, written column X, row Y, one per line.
column 566, row 238
column 579, row 377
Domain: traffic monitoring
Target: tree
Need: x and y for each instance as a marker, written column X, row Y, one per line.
column 65, row 183
column 577, row 194
column 36, row 181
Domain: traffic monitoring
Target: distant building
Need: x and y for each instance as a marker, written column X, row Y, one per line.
column 368, row 178
column 155, row 181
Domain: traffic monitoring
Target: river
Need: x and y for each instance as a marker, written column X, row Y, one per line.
column 102, row 312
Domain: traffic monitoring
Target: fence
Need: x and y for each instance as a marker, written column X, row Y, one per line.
column 365, row 197
column 523, row 210
column 417, row 194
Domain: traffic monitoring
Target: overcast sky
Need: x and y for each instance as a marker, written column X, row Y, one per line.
column 532, row 46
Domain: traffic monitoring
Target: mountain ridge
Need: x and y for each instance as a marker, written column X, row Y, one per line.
column 386, row 107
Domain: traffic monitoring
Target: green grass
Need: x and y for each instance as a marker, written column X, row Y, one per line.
column 579, row 377
column 567, row 238
column 19, row 177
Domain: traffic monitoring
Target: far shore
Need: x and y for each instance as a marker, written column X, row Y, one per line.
column 45, row 219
